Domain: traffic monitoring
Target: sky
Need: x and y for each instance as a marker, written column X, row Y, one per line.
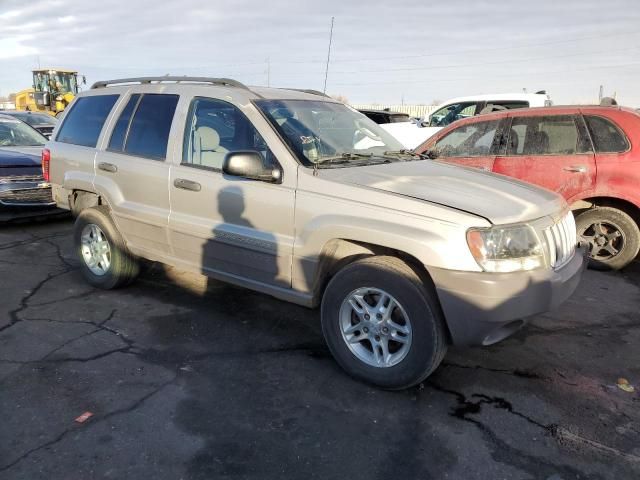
column 393, row 51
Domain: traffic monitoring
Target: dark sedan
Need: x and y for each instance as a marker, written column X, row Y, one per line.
column 23, row 191
column 43, row 122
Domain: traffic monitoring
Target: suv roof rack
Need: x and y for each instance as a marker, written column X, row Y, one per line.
column 309, row 91
column 225, row 82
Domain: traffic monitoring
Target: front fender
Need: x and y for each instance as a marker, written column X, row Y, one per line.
column 432, row 243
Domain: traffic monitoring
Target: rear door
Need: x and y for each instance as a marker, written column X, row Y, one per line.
column 471, row 145
column 133, row 171
column 552, row 151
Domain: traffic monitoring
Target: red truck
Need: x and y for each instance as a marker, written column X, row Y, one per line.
column 588, row 154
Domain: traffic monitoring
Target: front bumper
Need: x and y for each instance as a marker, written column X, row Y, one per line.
column 483, row 308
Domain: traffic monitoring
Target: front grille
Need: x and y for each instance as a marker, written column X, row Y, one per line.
column 27, row 196
column 562, row 239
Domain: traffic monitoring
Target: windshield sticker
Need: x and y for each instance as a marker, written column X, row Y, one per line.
column 310, row 139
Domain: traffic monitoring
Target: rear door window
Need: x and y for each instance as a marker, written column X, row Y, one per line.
column 547, row 135
column 150, row 126
column 473, row 140
column 606, row 136
column 119, row 133
column 83, row 123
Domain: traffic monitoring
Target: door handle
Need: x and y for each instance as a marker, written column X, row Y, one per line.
column 576, row 169
column 108, row 167
column 185, row 184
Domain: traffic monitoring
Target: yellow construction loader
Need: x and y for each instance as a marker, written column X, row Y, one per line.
column 53, row 90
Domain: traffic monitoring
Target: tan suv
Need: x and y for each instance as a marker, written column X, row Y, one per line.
column 296, row 195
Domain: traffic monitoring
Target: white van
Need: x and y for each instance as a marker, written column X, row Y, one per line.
column 413, row 134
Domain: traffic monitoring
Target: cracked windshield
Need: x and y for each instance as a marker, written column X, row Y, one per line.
column 324, row 132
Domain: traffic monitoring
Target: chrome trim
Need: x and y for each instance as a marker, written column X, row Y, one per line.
column 561, row 239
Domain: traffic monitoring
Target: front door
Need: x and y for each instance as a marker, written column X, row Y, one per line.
column 551, row 151
column 226, row 225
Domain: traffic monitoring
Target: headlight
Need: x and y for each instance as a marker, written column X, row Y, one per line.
column 506, row 249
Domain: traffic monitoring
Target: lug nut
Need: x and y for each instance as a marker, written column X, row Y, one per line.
column 365, row 330
column 385, row 330
column 379, row 316
column 366, row 316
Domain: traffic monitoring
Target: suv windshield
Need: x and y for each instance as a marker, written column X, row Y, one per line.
column 14, row 133
column 328, row 133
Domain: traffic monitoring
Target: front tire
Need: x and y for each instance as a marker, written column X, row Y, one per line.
column 613, row 237
column 104, row 259
column 382, row 323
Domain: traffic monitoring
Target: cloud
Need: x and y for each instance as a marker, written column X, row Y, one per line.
column 13, row 47
column 382, row 50
column 10, row 14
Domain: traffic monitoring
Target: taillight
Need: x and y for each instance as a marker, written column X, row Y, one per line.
column 46, row 160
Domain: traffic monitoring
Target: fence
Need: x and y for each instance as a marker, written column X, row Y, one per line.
column 412, row 110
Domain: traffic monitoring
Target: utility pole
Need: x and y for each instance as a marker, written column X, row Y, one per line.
column 326, row 71
column 600, row 93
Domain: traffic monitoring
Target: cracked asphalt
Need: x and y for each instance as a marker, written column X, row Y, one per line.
column 193, row 379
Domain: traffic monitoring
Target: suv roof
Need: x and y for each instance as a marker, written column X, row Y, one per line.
column 213, row 82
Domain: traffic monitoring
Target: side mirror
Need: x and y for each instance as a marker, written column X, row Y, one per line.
column 249, row 164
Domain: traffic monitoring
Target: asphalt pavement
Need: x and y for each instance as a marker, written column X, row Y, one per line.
column 184, row 378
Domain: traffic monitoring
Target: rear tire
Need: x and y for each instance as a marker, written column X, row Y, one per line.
column 105, row 261
column 393, row 342
column 613, row 237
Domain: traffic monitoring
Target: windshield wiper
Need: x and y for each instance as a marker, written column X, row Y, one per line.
column 344, row 157
column 403, row 153
column 352, row 159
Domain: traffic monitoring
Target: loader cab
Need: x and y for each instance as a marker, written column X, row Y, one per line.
column 51, row 86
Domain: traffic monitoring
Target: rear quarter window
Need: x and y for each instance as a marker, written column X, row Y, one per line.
column 83, row 124
column 606, row 136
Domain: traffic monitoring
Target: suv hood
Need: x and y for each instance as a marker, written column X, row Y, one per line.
column 497, row 198
column 20, row 156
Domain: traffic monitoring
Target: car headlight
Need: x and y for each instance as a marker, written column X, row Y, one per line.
column 506, row 249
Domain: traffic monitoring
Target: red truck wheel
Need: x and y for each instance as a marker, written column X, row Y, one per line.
column 613, row 237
